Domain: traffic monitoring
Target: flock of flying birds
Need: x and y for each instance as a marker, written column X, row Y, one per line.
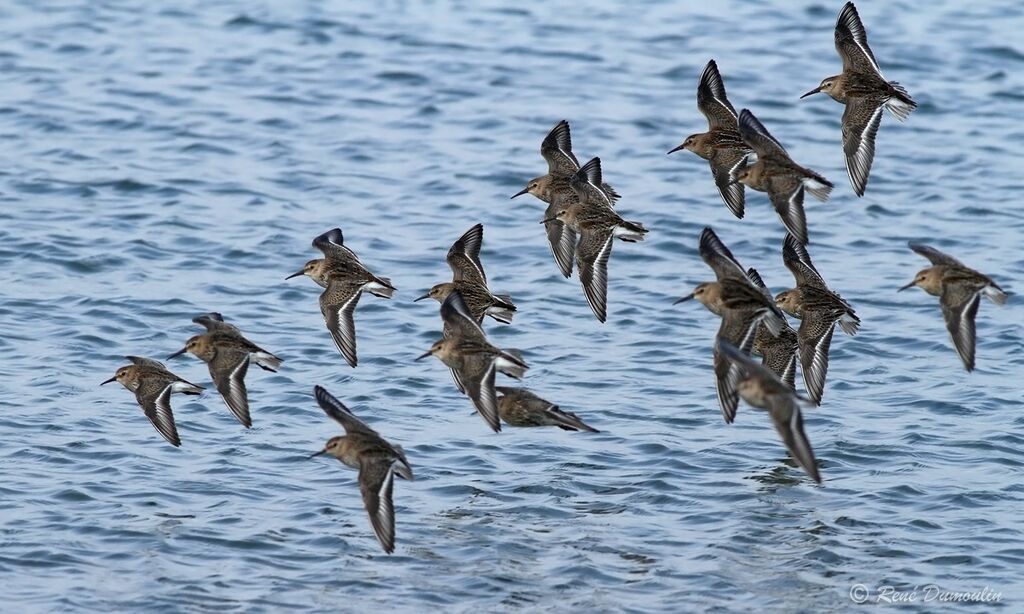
column 581, row 225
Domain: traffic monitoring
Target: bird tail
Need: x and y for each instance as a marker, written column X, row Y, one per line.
column 401, row 466
column 266, row 360
column 186, row 387
column 995, row 294
column 631, row 231
column 849, row 322
column 502, row 310
column 900, row 104
column 568, row 421
column 510, row 362
column 380, row 286
column 818, row 186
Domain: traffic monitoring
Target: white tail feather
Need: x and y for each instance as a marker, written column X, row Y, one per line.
column 267, row 360
column 817, row 189
column 995, row 295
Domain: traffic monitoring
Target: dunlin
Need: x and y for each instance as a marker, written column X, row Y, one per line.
column 865, row 92
column 742, row 307
column 959, row 289
column 597, row 224
column 553, row 188
column 344, row 278
column 777, row 174
column 819, row 309
column 761, row 388
column 469, row 279
column 377, row 461
column 721, row 145
column 227, row 354
column 778, row 353
column 472, row 359
column 153, row 386
column 520, row 407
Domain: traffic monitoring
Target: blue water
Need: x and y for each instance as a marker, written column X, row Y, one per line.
column 158, row 163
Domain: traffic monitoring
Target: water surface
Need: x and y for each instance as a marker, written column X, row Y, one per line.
column 159, row 162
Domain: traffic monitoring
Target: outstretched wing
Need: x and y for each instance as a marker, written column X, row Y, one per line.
column 376, row 483
column 336, row 410
column 712, row 100
column 718, row 257
column 464, row 256
column 860, row 125
column 852, row 42
column 228, row 369
column 156, row 404
column 338, row 304
column 815, row 338
column 960, row 307
column 934, row 255
column 458, row 319
column 798, row 261
column 757, row 137
column 592, row 259
column 557, row 150
column 477, row 376
column 331, row 243
column 725, row 168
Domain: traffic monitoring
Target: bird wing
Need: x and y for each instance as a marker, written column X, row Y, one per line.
column 852, row 42
column 959, row 304
column 146, row 362
column 789, row 422
column 935, row 256
column 228, row 368
column 562, row 240
column 798, row 261
column 338, row 304
column 712, row 99
column 458, row 319
column 860, row 125
column 155, row 399
column 477, row 377
column 718, row 257
column 331, row 243
column 815, row 338
column 336, row 410
column 787, row 195
column 376, row 483
column 726, row 165
column 592, row 255
column 557, row 150
column 757, row 137
column 464, row 256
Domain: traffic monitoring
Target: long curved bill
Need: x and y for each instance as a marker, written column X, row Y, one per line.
column 674, row 149
column 549, row 219
column 684, row 299
column 520, row 192
column 424, row 355
column 427, row 295
column 316, row 454
column 814, row 91
column 296, row 274
column 113, row 379
column 910, row 285
column 178, row 353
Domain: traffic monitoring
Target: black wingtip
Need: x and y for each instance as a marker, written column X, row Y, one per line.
column 331, row 236
column 591, row 172
column 328, row 402
column 456, row 303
